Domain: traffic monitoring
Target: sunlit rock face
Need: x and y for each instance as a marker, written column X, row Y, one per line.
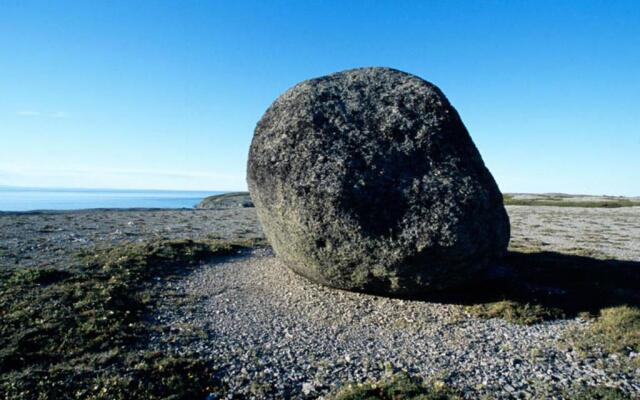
column 368, row 180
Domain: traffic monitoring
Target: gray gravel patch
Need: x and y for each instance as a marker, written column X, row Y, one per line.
column 606, row 233
column 52, row 238
column 277, row 335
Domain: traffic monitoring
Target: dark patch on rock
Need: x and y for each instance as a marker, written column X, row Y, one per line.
column 368, row 180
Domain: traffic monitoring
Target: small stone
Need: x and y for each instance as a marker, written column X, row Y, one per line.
column 308, row 388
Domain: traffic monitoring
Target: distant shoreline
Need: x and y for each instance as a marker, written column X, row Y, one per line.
column 98, row 209
column 229, row 199
column 125, row 190
column 31, row 199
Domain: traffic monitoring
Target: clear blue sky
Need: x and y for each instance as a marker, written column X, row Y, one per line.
column 134, row 94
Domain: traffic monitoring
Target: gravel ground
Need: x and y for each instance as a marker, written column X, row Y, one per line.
column 52, row 238
column 602, row 232
column 46, row 238
column 277, row 335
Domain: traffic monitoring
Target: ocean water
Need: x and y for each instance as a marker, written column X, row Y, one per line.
column 22, row 199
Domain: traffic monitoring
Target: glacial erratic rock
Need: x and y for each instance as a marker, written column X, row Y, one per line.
column 368, row 180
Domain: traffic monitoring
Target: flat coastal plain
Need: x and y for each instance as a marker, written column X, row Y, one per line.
column 274, row 334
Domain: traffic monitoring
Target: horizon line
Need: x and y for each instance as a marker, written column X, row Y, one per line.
column 66, row 188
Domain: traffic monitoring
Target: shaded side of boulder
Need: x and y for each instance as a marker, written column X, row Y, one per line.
column 368, row 180
column 226, row 200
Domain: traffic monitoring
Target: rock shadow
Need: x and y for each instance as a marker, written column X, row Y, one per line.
column 569, row 283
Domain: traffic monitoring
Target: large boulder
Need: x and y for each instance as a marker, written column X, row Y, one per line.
column 368, row 180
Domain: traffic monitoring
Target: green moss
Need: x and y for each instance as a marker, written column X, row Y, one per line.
column 41, row 276
column 80, row 332
column 515, row 312
column 140, row 375
column 615, row 331
column 397, row 386
column 598, row 393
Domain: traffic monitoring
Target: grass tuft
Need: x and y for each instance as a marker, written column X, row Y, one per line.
column 615, row 331
column 397, row 386
column 515, row 312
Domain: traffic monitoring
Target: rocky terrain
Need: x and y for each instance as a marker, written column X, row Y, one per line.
column 274, row 334
column 569, row 200
column 30, row 239
column 282, row 335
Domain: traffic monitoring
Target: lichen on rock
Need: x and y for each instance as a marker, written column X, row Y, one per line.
column 368, row 180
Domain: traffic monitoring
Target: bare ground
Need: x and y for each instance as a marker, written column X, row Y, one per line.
column 278, row 335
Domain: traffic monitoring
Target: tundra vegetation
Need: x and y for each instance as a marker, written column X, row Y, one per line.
column 80, row 332
column 402, row 386
column 397, row 386
column 542, row 286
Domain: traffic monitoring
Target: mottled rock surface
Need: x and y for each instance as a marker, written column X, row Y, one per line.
column 368, row 180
